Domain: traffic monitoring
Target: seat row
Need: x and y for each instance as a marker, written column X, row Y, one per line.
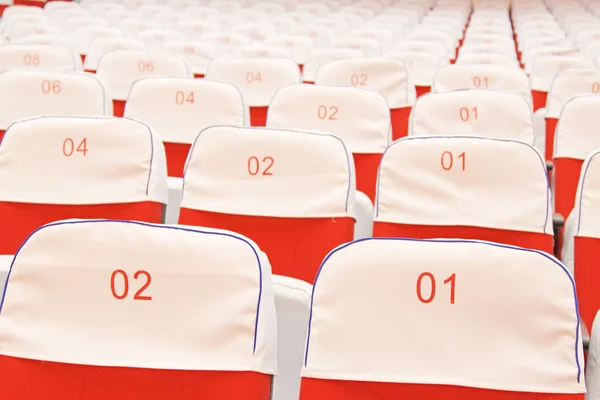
column 181, row 312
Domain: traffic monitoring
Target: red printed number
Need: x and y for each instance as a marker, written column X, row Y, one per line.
column 254, row 166
column 30, row 59
column 329, row 113
column 426, row 300
column 359, row 79
column 466, row 115
column 145, row 66
column 69, row 147
column 595, row 87
column 125, row 285
column 479, row 82
column 252, row 77
column 448, row 160
column 51, row 87
column 181, row 98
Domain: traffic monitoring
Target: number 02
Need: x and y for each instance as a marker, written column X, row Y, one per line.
column 125, row 290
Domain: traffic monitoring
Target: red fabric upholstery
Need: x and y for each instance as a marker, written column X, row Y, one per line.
column 21, row 219
column 316, row 389
column 400, row 117
column 34, row 380
column 421, row 90
column 367, row 167
column 539, row 99
column 118, row 108
column 176, row 157
column 566, row 178
column 295, row 246
column 550, row 130
column 587, row 277
column 198, row 76
column 531, row 240
column 258, row 116
column 31, row 3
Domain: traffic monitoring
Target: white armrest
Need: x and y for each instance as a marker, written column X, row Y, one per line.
column 292, row 305
column 364, row 217
column 539, row 126
column 175, row 186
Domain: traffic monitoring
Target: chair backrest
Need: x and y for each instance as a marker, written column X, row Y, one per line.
column 120, row 68
column 178, row 109
column 39, row 56
column 459, row 307
column 43, row 93
column 592, row 365
column 545, row 69
column 475, row 112
column 198, row 54
column 587, row 237
column 391, row 78
column 487, row 58
column 257, row 78
column 495, row 77
column 54, row 168
column 361, row 118
column 99, row 47
column 474, row 195
column 297, row 204
column 568, row 84
column 319, row 57
column 165, row 305
column 422, row 67
column 575, row 138
column 436, row 49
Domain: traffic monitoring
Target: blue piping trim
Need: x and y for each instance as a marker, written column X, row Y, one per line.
column 407, row 138
column 179, row 228
column 504, row 246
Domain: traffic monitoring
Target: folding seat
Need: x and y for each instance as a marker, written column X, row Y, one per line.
column 576, row 138
column 198, row 54
column 384, row 37
column 194, row 29
column 83, row 37
column 319, row 57
column 178, row 109
column 168, row 312
column 8, row 24
column 13, row 10
column 430, row 35
column 476, row 112
column 321, row 36
column 545, row 50
column 487, row 59
column 257, row 78
column 99, row 47
column 269, row 7
column 292, row 303
column 201, row 12
column 299, row 46
column 44, row 93
column 566, row 85
column 388, row 77
column 115, row 17
column 128, row 181
column 46, row 39
column 225, row 6
column 422, row 67
column 155, row 39
column 471, row 205
column 364, row 12
column 586, row 238
column 132, row 27
column 60, row 16
column 24, row 29
column 39, row 56
column 491, row 47
column 225, row 42
column 361, row 118
column 434, row 48
column 545, row 69
column 495, row 77
column 262, row 51
column 370, row 47
column 294, row 219
column 457, row 305
column 120, row 68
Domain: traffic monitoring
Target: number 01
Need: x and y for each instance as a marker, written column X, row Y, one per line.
column 429, row 276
